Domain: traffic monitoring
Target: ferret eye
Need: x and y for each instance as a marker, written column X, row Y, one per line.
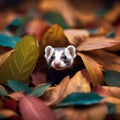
column 64, row 57
column 52, row 58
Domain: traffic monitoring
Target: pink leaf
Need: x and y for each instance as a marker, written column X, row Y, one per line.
column 33, row 108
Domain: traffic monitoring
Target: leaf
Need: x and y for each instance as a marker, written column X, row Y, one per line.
column 17, row 95
column 55, row 37
column 112, row 91
column 76, row 36
column 93, row 31
column 32, row 108
column 15, row 23
column 4, row 56
column 39, row 90
column 23, row 22
column 55, row 18
column 21, row 62
column 94, row 112
column 18, row 86
column 97, row 43
column 77, row 83
column 111, row 108
column 76, row 99
column 8, row 41
column 112, row 78
column 100, row 91
column 3, row 91
column 111, row 35
column 54, row 94
column 116, row 102
column 93, row 68
column 5, row 113
column 11, row 104
column 109, row 61
column 36, row 27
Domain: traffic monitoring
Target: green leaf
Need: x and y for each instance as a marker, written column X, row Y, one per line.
column 18, row 86
column 111, row 108
column 112, row 78
column 39, row 90
column 76, row 99
column 8, row 40
column 21, row 63
column 111, row 35
column 55, row 18
column 21, row 27
column 3, row 91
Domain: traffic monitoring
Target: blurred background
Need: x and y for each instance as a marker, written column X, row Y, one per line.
column 86, row 14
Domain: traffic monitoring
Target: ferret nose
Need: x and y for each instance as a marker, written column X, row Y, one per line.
column 57, row 63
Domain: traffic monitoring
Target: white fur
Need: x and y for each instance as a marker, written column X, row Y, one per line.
column 70, row 52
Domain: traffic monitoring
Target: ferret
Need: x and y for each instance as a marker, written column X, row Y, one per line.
column 60, row 62
column 60, row 58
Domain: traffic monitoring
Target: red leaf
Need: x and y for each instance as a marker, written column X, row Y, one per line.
column 10, row 104
column 33, row 108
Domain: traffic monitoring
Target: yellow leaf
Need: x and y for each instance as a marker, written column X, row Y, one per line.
column 77, row 83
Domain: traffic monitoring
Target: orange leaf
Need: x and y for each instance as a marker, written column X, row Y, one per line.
column 55, row 37
column 7, row 113
column 54, row 94
column 112, row 91
column 77, row 83
column 93, row 68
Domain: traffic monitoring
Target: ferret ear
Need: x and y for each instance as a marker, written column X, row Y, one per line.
column 72, row 50
column 48, row 50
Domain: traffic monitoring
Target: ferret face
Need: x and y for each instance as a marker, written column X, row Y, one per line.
column 60, row 58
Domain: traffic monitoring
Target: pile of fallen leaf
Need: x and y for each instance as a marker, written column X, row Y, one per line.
column 91, row 94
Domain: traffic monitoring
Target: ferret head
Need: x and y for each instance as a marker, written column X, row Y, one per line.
column 60, row 58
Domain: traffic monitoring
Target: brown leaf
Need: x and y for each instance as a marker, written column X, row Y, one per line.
column 17, row 95
column 108, row 60
column 75, row 36
column 93, row 68
column 55, row 37
column 54, row 94
column 77, row 83
column 113, row 13
column 97, row 43
column 96, row 112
